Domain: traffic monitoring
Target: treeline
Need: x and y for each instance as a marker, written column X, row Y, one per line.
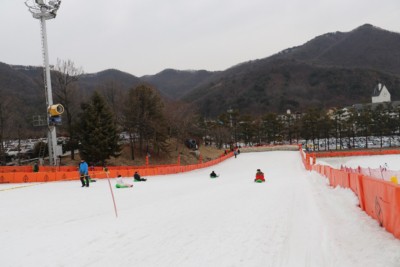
column 315, row 126
column 94, row 125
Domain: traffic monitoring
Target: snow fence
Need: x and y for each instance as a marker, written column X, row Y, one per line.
column 25, row 174
column 381, row 173
column 380, row 199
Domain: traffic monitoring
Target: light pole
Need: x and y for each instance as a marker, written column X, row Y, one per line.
column 44, row 10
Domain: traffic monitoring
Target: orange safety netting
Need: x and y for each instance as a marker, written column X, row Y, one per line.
column 381, row 173
column 378, row 197
column 25, row 174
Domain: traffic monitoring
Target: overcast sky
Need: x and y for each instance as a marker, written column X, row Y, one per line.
column 147, row 36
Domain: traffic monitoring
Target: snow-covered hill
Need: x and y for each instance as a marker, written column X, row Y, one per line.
column 294, row 219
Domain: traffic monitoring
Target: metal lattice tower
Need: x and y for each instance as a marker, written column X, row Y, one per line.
column 44, row 10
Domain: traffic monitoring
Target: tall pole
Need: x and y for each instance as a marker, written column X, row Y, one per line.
column 44, row 11
column 52, row 136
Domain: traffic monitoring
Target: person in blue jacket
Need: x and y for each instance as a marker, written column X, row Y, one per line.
column 83, row 173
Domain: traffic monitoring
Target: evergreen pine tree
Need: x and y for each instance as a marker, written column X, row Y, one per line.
column 98, row 131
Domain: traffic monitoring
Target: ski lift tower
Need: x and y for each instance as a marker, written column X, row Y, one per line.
column 44, row 10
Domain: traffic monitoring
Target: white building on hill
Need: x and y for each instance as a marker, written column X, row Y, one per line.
column 380, row 94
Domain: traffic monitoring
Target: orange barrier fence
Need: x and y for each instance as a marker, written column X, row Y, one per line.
column 49, row 174
column 381, row 173
column 305, row 157
column 5, row 169
column 25, row 174
column 378, row 198
column 351, row 153
column 382, row 202
column 16, row 169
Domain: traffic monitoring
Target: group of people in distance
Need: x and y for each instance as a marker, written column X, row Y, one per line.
column 259, row 176
column 85, row 179
column 122, row 184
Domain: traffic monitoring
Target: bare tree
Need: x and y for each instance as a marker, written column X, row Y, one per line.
column 180, row 119
column 2, row 128
column 114, row 95
column 6, row 128
column 67, row 75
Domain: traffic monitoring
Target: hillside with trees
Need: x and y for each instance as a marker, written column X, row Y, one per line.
column 175, row 83
column 332, row 70
column 246, row 103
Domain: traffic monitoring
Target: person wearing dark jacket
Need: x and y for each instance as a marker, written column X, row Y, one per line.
column 137, row 178
column 35, row 167
column 84, row 173
column 213, row 175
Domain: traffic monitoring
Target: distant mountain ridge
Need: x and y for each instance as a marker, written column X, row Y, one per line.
column 364, row 47
column 175, row 83
column 333, row 69
column 93, row 81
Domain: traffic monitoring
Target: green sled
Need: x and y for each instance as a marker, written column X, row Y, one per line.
column 121, row 186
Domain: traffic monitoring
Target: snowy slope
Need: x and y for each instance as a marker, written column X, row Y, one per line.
column 294, row 219
column 391, row 161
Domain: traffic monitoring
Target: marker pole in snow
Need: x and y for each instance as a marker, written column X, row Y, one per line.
column 112, row 194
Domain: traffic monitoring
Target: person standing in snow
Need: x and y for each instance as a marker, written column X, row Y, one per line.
column 36, row 167
column 259, row 176
column 83, row 173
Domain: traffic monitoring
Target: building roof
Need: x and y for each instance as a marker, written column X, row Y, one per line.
column 377, row 90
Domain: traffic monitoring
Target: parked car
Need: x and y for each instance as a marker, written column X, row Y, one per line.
column 12, row 152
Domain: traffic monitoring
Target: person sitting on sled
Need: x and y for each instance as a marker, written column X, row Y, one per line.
column 213, row 175
column 259, row 176
column 137, row 178
column 121, row 183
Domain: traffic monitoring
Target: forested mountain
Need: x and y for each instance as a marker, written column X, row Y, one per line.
column 331, row 70
column 91, row 82
column 175, row 83
column 365, row 47
column 20, row 91
column 335, row 69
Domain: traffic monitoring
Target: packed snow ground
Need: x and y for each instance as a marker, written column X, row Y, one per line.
column 391, row 162
column 294, row 219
